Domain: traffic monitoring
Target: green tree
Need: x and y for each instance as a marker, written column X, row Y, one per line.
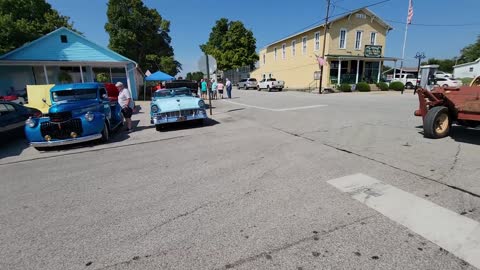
column 470, row 53
column 443, row 64
column 195, row 76
column 231, row 44
column 22, row 21
column 141, row 34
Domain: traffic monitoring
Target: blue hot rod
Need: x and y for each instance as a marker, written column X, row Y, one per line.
column 176, row 105
column 79, row 112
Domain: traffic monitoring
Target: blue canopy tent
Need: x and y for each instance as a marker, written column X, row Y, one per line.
column 157, row 76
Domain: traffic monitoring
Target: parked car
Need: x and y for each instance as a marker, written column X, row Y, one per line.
column 407, row 79
column 192, row 85
column 13, row 98
column 176, row 105
column 448, row 82
column 248, row 83
column 441, row 74
column 79, row 113
column 270, row 84
column 13, row 116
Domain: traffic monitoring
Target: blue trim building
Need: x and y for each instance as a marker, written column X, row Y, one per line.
column 48, row 59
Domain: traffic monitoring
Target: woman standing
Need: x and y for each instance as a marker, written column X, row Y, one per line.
column 220, row 87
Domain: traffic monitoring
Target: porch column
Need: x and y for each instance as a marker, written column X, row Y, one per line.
column 358, row 71
column 45, row 72
column 81, row 73
column 111, row 78
column 128, row 79
column 379, row 71
column 339, row 71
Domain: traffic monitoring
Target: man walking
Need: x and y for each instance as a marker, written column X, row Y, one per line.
column 228, row 84
column 126, row 103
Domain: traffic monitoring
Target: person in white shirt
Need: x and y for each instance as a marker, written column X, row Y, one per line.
column 228, row 85
column 126, row 103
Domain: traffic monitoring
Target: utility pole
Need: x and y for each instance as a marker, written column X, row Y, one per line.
column 419, row 56
column 323, row 49
column 208, row 86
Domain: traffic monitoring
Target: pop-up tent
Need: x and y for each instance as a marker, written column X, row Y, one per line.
column 157, row 76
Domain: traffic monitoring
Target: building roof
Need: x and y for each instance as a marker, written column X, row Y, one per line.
column 366, row 10
column 63, row 45
column 467, row 64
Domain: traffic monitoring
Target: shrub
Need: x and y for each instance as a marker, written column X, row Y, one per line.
column 397, row 86
column 103, row 77
column 345, row 87
column 383, row 86
column 466, row 81
column 363, row 87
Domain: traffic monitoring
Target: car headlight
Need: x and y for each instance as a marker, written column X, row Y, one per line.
column 155, row 109
column 201, row 103
column 31, row 122
column 89, row 116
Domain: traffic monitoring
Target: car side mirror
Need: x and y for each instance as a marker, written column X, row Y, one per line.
column 44, row 100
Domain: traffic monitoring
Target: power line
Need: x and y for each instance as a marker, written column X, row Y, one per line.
column 335, row 15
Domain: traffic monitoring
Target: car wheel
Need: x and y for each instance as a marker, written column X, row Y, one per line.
column 437, row 123
column 40, row 148
column 445, row 85
column 259, row 89
column 268, row 88
column 409, row 86
column 105, row 133
column 158, row 127
column 280, row 89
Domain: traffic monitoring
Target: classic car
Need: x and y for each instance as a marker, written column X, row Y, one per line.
column 79, row 113
column 13, row 116
column 176, row 105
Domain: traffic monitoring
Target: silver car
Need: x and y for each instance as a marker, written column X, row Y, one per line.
column 248, row 83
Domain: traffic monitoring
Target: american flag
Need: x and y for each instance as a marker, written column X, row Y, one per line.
column 410, row 12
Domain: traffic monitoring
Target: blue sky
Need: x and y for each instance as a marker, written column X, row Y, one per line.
column 192, row 20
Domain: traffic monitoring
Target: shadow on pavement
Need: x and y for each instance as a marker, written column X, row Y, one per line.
column 465, row 135
column 188, row 125
column 12, row 144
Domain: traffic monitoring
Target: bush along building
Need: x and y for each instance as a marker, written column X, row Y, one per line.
column 354, row 52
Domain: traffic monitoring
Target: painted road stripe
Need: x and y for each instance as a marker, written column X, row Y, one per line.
column 276, row 110
column 451, row 231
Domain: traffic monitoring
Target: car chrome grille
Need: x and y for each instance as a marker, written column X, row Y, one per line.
column 60, row 116
column 178, row 113
column 61, row 130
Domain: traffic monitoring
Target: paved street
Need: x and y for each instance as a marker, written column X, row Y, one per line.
column 275, row 180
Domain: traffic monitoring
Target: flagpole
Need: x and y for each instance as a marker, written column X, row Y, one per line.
column 404, row 45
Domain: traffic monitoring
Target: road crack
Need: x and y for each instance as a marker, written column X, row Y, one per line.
column 291, row 244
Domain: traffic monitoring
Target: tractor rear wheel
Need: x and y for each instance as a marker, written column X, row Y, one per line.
column 437, row 123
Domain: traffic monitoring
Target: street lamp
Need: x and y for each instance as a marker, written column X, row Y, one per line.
column 419, row 56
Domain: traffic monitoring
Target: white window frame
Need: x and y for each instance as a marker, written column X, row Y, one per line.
column 344, row 39
column 358, row 40
column 304, row 45
column 317, row 41
column 373, row 36
column 275, row 53
column 284, row 51
column 294, row 49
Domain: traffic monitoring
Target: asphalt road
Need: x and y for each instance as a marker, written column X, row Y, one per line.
column 249, row 190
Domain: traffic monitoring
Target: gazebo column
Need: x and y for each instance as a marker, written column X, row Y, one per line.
column 339, row 71
column 46, row 74
column 128, row 79
column 358, row 71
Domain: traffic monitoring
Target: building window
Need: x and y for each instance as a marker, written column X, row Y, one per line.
column 343, row 38
column 317, row 41
column 471, row 69
column 264, row 60
column 63, row 38
column 275, row 54
column 358, row 40
column 360, row 16
column 294, row 44
column 304, row 45
column 373, row 38
column 284, row 48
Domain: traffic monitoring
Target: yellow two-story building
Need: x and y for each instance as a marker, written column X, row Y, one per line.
column 354, row 52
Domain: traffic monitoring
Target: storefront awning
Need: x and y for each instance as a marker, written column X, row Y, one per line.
column 359, row 57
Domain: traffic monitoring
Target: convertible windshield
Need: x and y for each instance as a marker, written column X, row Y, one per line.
column 173, row 92
column 77, row 94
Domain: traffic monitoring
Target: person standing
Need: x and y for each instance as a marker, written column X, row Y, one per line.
column 220, row 87
column 203, row 88
column 126, row 103
column 214, row 89
column 228, row 84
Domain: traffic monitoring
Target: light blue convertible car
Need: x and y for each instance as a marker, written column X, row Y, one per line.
column 176, row 105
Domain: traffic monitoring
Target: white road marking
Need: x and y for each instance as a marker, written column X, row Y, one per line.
column 451, row 231
column 276, row 110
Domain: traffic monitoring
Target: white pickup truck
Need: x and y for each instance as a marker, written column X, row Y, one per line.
column 270, row 84
column 407, row 79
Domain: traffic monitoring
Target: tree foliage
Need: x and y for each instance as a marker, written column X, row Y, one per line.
column 141, row 34
column 22, row 21
column 443, row 64
column 231, row 44
column 195, row 76
column 470, row 53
